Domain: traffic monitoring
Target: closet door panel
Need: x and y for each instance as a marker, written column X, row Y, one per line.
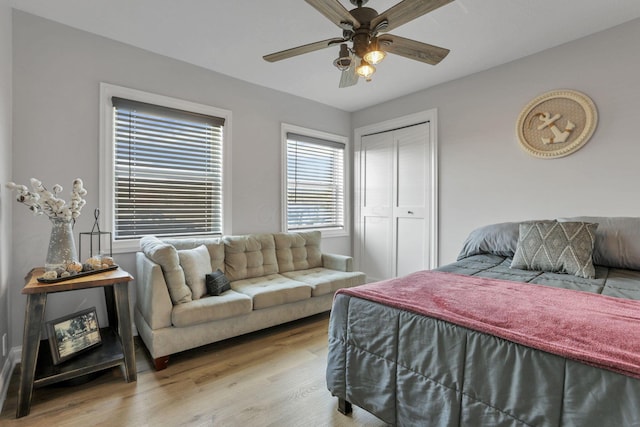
column 411, row 199
column 377, row 239
column 411, row 246
column 376, row 206
column 411, row 161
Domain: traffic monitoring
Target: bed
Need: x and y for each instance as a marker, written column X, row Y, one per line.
column 522, row 330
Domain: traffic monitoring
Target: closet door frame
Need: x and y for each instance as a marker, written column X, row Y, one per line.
column 430, row 116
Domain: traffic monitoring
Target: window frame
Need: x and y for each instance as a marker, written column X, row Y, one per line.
column 106, row 165
column 312, row 133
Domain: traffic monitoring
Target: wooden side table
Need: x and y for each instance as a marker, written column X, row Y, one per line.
column 37, row 367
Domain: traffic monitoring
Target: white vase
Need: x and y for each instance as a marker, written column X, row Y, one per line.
column 62, row 247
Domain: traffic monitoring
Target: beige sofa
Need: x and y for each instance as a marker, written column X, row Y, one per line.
column 275, row 278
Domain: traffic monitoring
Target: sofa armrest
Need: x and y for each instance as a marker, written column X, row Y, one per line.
column 337, row 262
column 152, row 296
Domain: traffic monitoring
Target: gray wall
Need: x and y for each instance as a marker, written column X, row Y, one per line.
column 5, row 175
column 57, row 72
column 484, row 175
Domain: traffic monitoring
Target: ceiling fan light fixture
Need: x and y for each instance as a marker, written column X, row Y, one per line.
column 374, row 57
column 374, row 54
column 343, row 61
column 365, row 70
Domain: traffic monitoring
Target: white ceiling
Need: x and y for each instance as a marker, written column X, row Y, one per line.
column 231, row 36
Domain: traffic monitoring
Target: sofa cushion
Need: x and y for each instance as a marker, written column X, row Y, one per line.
column 298, row 251
column 196, row 264
column 166, row 256
column 215, row 245
column 324, row 281
column 207, row 309
column 272, row 290
column 253, row 255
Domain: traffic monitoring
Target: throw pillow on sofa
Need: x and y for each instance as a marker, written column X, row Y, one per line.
column 196, row 264
column 217, row 283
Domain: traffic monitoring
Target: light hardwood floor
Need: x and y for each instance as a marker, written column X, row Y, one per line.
column 269, row 378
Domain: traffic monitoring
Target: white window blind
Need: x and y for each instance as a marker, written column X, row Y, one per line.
column 167, row 171
column 315, row 183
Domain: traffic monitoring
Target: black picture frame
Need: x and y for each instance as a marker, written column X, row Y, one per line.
column 73, row 334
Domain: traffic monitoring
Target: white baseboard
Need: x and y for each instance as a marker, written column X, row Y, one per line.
column 10, row 364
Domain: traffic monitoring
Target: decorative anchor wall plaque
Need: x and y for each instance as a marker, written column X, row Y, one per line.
column 556, row 124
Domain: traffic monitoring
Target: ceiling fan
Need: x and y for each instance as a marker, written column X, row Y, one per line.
column 362, row 27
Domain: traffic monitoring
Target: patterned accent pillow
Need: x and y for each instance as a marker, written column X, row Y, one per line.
column 557, row 247
column 217, row 283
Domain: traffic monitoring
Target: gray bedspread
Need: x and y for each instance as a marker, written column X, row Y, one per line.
column 412, row 370
column 614, row 282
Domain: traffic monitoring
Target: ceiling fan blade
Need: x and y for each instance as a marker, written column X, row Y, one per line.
column 295, row 51
column 406, row 11
column 412, row 49
column 349, row 76
column 334, row 11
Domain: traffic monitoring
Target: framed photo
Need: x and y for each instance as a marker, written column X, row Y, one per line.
column 73, row 334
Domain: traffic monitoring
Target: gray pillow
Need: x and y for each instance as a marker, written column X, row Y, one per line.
column 617, row 241
column 558, row 247
column 498, row 239
column 217, row 283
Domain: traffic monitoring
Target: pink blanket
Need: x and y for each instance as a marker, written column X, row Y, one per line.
column 594, row 329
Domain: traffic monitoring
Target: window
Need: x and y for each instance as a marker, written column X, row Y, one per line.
column 166, row 167
column 315, row 181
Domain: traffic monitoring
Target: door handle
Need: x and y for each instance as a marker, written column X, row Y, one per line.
column 410, row 212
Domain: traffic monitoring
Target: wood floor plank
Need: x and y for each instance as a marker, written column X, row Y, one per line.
column 273, row 378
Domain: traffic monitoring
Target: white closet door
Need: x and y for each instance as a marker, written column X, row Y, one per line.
column 376, row 207
column 394, row 202
column 411, row 199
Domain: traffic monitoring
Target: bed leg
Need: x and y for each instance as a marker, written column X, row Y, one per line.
column 344, row 406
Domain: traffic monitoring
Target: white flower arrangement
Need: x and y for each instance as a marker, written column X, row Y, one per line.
column 42, row 201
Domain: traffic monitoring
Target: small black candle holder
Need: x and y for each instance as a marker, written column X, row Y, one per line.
column 96, row 238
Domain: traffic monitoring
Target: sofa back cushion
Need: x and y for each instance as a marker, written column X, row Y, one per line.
column 251, row 255
column 165, row 253
column 298, row 251
column 166, row 256
column 214, row 245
